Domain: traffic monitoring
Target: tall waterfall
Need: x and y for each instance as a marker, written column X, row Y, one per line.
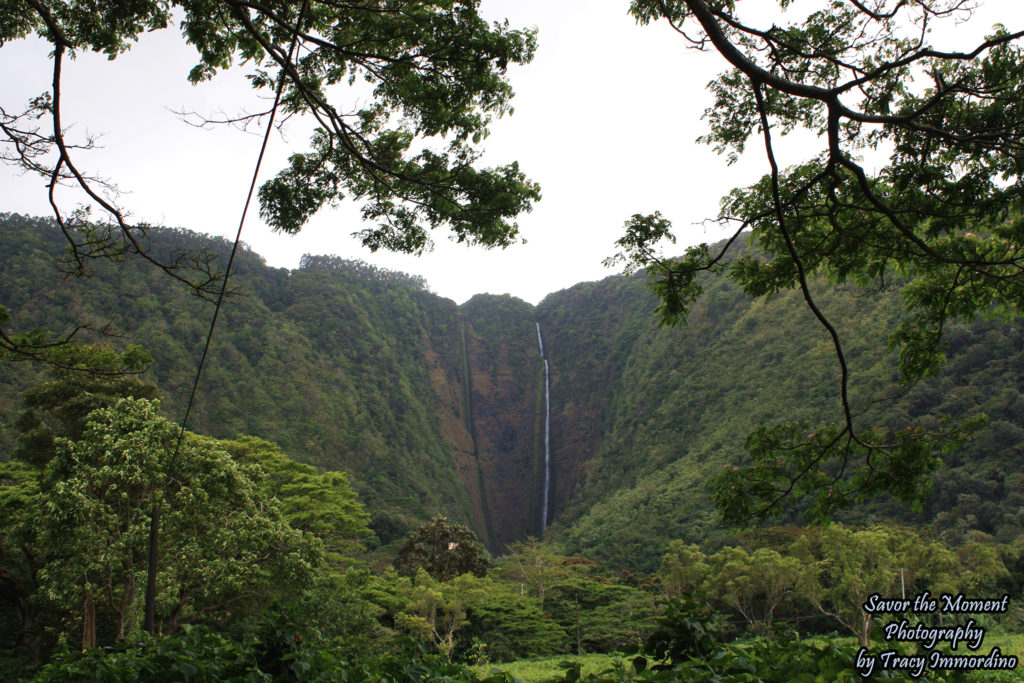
column 547, row 432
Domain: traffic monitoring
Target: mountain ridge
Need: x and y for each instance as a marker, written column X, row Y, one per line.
column 436, row 407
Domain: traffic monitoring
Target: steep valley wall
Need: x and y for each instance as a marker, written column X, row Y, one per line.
column 433, row 407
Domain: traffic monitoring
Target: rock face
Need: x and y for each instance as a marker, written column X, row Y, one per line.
column 437, row 408
column 589, row 334
column 504, row 385
column 431, row 407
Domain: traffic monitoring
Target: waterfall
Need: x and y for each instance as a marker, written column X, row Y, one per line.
column 547, row 432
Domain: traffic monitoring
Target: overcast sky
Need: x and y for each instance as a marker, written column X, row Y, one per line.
column 605, row 120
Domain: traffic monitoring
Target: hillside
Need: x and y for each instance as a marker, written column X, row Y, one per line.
column 649, row 415
column 334, row 361
column 430, row 406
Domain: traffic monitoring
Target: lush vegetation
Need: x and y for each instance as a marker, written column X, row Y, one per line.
column 778, row 605
column 935, row 215
column 335, row 359
column 244, row 525
column 645, row 417
column 132, row 549
column 430, row 408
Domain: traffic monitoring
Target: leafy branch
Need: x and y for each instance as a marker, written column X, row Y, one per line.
column 943, row 217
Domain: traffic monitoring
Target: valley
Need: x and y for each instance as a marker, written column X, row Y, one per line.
column 432, row 407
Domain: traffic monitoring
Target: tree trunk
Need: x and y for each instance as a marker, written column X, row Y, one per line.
column 154, row 535
column 865, row 632
column 88, row 623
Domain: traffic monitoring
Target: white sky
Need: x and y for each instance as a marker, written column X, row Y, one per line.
column 606, row 120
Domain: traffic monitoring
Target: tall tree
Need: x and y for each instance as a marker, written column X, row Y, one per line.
column 844, row 567
column 319, row 504
column 754, row 584
column 684, row 569
column 444, row 549
column 20, row 553
column 940, row 218
column 228, row 543
column 97, row 378
column 436, row 609
column 536, row 567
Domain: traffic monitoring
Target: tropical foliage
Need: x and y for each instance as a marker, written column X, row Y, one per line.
column 436, row 71
column 938, row 218
column 642, row 416
column 269, row 567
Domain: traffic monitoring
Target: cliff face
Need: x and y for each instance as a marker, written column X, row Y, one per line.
column 433, row 407
column 590, row 331
column 505, row 385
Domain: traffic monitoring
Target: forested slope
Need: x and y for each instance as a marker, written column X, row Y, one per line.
column 649, row 415
column 339, row 363
column 433, row 407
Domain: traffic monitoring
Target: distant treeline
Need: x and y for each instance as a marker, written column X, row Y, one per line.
column 360, row 268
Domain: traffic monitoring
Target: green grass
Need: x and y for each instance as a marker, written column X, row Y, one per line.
column 546, row 668
column 1008, row 643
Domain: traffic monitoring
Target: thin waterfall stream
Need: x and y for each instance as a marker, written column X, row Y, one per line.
column 547, row 432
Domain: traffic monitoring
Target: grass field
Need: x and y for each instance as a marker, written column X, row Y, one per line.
column 542, row 669
column 547, row 668
column 1010, row 644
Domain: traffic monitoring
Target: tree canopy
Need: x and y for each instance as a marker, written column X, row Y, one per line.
column 226, row 538
column 242, row 523
column 444, row 549
column 915, row 185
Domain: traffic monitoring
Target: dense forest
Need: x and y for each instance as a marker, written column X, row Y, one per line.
column 433, row 408
column 793, row 455
column 339, row 382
